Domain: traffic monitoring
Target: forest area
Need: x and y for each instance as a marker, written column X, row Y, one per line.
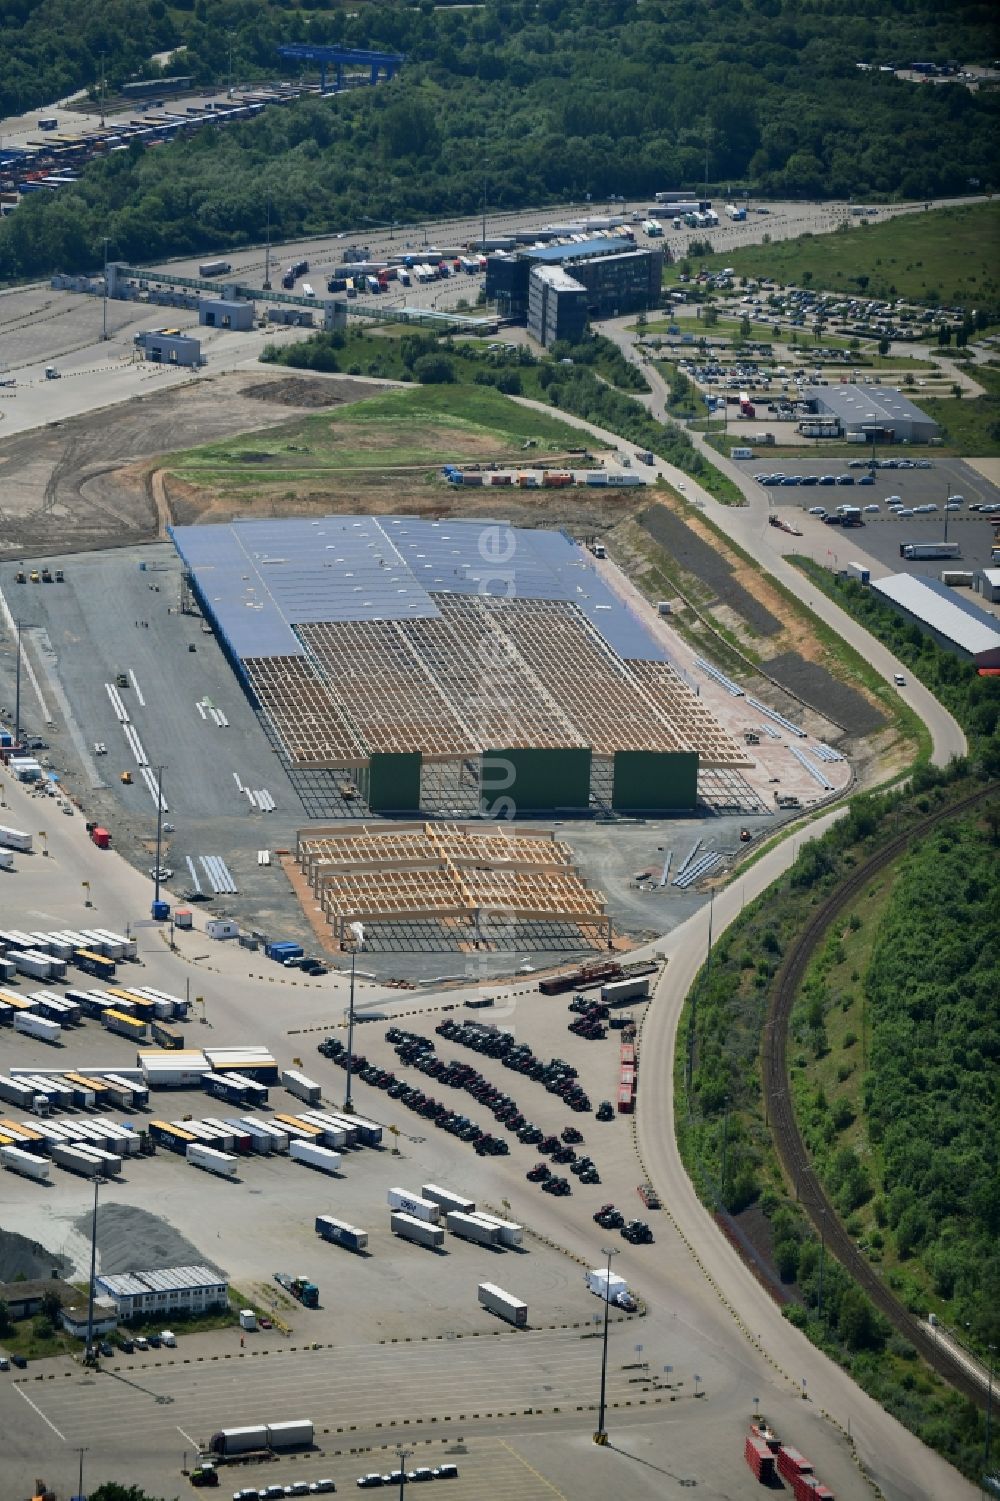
column 528, row 102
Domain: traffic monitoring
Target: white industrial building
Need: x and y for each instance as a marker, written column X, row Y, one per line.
column 873, row 411
column 194, row 1289
column 987, row 583
column 955, row 624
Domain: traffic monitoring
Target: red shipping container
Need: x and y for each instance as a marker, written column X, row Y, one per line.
column 759, row 1457
column 626, row 1101
column 804, row 1487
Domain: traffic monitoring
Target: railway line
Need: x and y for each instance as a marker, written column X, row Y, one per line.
column 788, row 1139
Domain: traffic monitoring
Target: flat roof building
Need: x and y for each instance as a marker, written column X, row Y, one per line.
column 874, row 411
column 137, row 1294
column 220, row 312
column 616, row 277
column 955, row 624
column 557, row 306
column 167, row 347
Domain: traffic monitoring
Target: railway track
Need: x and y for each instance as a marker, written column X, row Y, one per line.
column 787, row 1137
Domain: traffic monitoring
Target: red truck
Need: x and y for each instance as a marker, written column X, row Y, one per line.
column 101, row 837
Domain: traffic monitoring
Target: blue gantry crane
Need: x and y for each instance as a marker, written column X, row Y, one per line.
column 378, row 63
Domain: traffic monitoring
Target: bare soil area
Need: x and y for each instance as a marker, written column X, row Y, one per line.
column 85, row 484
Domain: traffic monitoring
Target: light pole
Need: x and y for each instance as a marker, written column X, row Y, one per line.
column 79, row 1491
column 159, row 837
column 989, row 1416
column 601, row 1436
column 403, row 1455
column 104, row 325
column 267, row 247
column 89, row 1357
column 359, row 939
column 17, row 685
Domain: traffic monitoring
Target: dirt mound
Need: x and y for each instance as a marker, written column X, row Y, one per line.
column 28, row 1259
column 300, row 391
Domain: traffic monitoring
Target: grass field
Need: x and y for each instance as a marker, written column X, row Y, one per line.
column 418, row 429
column 951, row 255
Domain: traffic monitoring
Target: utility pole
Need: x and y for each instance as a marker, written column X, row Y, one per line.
column 103, row 92
column 486, row 162
column 402, row 1455
column 989, row 1417
column 359, row 939
column 601, row 1436
column 89, row 1357
column 79, row 1489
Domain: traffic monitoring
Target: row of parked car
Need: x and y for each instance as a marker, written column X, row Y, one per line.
column 808, row 480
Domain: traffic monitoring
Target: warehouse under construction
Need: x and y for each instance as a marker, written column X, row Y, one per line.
column 463, row 667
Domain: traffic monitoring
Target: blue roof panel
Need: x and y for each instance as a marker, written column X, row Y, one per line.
column 260, row 579
column 601, row 245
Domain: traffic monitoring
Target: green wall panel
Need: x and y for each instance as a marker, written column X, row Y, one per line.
column 655, row 781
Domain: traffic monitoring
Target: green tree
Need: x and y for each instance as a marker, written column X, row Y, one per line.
column 883, row 347
column 6, row 1322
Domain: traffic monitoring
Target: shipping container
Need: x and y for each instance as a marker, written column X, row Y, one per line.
column 294, row 1434
column 166, row 1035
column 340, row 1233
column 175, row 1137
column 256, row 1094
column 214, row 268
column 413, row 1204
column 278, row 1135
column 14, row 1092
column 296, row 1128
column 860, row 572
column 14, row 839
column 914, row 551
column 620, row 992
column 223, row 1164
column 261, row 1142
column 97, row 965
column 331, row 1135
column 505, row 1305
column 36, row 966
column 760, row 1459
column 239, row 1440
column 419, row 1231
column 792, row 1463
column 447, row 1199
column 223, row 1087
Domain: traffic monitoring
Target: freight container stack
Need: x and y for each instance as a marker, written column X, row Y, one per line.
column 797, row 1470
column 627, row 1079
column 760, row 1459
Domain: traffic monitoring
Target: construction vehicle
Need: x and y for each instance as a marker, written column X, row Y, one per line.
column 745, row 836
column 46, row 575
column 121, row 679
column 21, row 577
column 301, row 1288
column 126, row 777
column 60, row 576
column 35, row 577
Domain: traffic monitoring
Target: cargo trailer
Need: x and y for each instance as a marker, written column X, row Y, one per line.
column 448, row 1200
column 77, row 1160
column 418, row 1231
column 510, row 1233
column 333, row 1135
column 36, row 966
column 414, row 1205
column 469, row 1227
column 261, row 1142
column 277, row 1134
column 14, row 1092
column 619, row 992
column 125, row 1093
column 26, row 1164
column 297, row 1129
column 758, row 1456
column 176, row 1138
column 503, row 1304
column 304, row 1089
column 239, row 1440
column 31, row 1025
column 223, row 1164
column 294, row 1434
column 14, row 839
column 256, row 1093
column 369, row 1132
column 126, row 1026
column 345, row 1123
column 313, row 1155
column 109, row 1163
column 340, row 1233
column 224, row 1087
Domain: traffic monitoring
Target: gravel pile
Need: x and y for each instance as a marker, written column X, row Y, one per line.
column 133, row 1240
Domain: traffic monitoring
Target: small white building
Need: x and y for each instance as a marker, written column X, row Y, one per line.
column 150, row 1294
column 987, row 583
column 75, row 1318
column 222, row 927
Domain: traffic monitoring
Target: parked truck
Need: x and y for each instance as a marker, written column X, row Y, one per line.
column 504, row 1305
column 301, row 1288
column 611, row 1287
column 447, row 1199
column 340, row 1233
column 301, row 1087
column 860, row 572
column 296, row 1433
column 223, row 1164
column 313, row 1155
column 239, row 1440
column 469, row 1227
column 414, row 1205
column 37, row 1026
column 419, row 1231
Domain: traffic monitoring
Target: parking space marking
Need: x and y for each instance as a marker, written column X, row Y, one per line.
column 537, row 1473
column 48, row 1423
